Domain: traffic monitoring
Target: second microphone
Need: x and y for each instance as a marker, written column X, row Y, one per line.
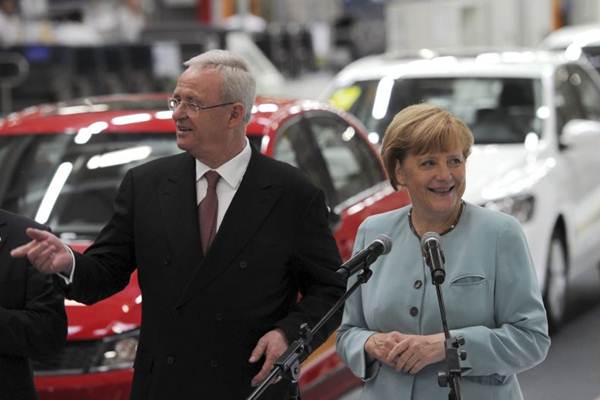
column 381, row 245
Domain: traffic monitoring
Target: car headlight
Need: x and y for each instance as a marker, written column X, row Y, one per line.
column 521, row 206
column 117, row 352
column 85, row 356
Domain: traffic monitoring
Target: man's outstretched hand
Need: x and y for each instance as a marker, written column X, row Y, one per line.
column 45, row 252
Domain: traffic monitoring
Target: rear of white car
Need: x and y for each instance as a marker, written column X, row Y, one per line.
column 536, row 121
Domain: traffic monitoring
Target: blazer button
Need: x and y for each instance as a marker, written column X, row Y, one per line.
column 167, row 260
column 414, row 311
column 418, row 284
column 214, row 363
column 170, row 360
column 219, row 317
column 243, row 264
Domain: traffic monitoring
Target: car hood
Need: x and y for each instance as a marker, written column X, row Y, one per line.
column 497, row 171
column 116, row 314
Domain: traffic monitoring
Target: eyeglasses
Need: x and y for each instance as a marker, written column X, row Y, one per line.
column 192, row 107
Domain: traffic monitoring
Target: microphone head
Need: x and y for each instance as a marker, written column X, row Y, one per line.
column 429, row 236
column 385, row 241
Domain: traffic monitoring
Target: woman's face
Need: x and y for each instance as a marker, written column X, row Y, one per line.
column 435, row 181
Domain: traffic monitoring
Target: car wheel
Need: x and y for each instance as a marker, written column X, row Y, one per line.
column 555, row 291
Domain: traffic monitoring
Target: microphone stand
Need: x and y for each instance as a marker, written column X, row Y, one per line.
column 454, row 355
column 288, row 364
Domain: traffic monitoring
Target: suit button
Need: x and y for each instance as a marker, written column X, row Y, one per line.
column 219, row 317
column 214, row 363
column 243, row 264
column 418, row 284
column 167, row 260
column 170, row 360
column 414, row 311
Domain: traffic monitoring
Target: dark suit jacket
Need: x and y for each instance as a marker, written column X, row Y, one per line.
column 32, row 313
column 202, row 314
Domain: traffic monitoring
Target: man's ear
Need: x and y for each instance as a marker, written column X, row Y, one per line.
column 237, row 113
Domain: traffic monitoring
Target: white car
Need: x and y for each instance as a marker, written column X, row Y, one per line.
column 536, row 121
column 576, row 41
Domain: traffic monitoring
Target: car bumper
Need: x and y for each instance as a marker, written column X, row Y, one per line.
column 113, row 385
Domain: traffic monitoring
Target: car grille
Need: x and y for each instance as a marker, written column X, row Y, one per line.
column 74, row 358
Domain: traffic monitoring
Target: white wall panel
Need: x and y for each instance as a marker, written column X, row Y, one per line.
column 467, row 23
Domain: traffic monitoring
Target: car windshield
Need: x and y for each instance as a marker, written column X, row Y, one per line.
column 70, row 184
column 498, row 110
column 593, row 55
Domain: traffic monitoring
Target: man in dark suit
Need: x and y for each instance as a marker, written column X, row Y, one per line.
column 32, row 313
column 219, row 296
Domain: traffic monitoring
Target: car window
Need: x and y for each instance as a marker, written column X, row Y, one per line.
column 295, row 145
column 505, row 109
column 587, row 91
column 568, row 102
column 593, row 55
column 5, row 158
column 68, row 185
column 358, row 99
column 351, row 163
column 498, row 110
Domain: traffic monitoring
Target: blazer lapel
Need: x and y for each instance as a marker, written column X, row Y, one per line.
column 177, row 197
column 251, row 204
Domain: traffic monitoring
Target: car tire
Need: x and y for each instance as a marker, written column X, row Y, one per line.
column 555, row 289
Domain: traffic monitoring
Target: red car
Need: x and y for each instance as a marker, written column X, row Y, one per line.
column 61, row 164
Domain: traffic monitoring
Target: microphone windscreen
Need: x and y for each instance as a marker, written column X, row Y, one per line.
column 430, row 236
column 386, row 241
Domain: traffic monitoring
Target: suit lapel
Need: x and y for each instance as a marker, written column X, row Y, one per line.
column 177, row 197
column 251, row 204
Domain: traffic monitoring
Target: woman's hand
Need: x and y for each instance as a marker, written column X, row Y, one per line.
column 379, row 346
column 414, row 352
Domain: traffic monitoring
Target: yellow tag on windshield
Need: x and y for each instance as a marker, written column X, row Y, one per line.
column 345, row 98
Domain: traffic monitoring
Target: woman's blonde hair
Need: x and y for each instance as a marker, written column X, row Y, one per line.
column 421, row 129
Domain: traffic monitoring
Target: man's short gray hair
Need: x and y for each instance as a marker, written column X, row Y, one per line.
column 238, row 82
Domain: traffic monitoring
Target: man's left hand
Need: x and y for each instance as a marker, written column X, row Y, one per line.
column 272, row 345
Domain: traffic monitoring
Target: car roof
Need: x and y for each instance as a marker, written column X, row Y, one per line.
column 137, row 113
column 581, row 35
column 511, row 63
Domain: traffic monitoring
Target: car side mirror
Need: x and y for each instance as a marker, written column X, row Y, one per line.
column 580, row 132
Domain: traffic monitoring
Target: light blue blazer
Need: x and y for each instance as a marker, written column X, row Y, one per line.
column 492, row 299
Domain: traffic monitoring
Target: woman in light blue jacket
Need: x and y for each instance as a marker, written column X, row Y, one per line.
column 391, row 334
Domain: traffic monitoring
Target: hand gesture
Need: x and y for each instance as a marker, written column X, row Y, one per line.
column 45, row 252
